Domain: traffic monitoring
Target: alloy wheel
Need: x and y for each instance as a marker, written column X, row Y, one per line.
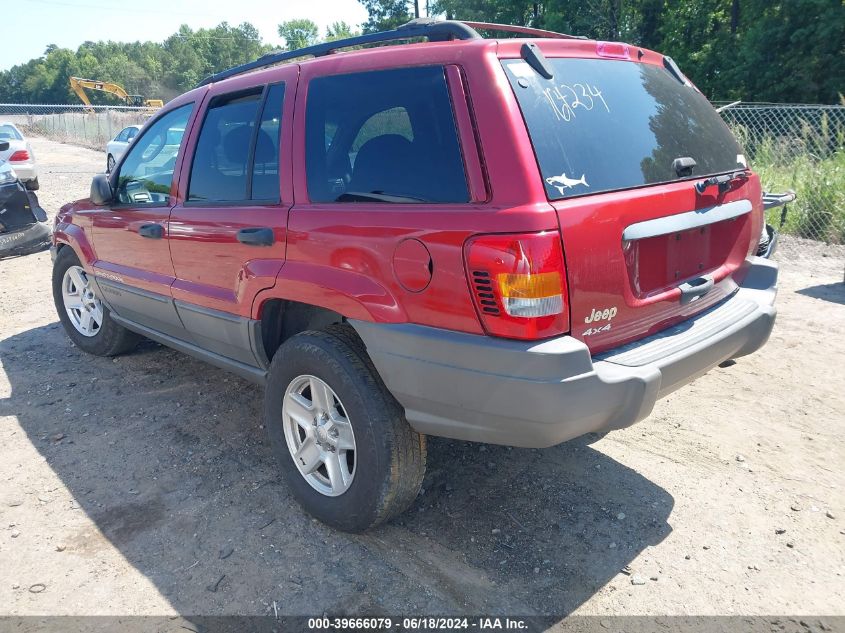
column 319, row 435
column 83, row 308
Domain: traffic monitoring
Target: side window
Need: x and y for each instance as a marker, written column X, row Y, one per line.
column 237, row 154
column 383, row 136
column 123, row 136
column 265, row 169
column 131, row 133
column 220, row 168
column 147, row 172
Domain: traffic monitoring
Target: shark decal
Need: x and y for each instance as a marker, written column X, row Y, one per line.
column 562, row 182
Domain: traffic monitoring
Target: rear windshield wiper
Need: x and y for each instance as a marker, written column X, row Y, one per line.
column 375, row 196
column 723, row 181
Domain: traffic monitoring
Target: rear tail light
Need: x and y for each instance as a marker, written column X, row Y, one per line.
column 19, row 156
column 519, row 284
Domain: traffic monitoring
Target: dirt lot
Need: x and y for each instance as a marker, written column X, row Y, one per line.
column 145, row 485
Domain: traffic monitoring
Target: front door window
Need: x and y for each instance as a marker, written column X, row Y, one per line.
column 147, row 172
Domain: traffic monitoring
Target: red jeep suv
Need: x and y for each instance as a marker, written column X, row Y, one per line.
column 515, row 241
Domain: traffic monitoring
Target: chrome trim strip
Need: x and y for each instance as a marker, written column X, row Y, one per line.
column 686, row 221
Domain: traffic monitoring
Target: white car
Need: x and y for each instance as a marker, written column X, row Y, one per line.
column 19, row 155
column 116, row 147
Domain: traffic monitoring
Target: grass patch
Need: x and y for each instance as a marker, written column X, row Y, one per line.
column 812, row 164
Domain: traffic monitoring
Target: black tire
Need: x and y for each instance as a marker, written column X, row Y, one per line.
column 109, row 164
column 112, row 339
column 33, row 185
column 389, row 454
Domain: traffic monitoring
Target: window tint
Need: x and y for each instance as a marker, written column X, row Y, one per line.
column 235, row 160
column 601, row 125
column 392, row 121
column 383, row 136
column 147, row 172
column 220, row 169
column 265, row 170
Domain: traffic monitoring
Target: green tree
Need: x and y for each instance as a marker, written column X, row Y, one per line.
column 299, row 33
column 386, row 14
column 339, row 31
column 754, row 50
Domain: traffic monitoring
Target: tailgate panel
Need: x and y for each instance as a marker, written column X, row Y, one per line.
column 621, row 290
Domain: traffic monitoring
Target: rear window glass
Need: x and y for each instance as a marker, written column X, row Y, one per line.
column 8, row 132
column 602, row 125
column 383, row 136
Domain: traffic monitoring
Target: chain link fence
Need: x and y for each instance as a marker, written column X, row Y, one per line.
column 802, row 148
column 88, row 126
column 791, row 146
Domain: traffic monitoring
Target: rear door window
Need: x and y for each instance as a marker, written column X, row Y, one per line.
column 383, row 136
column 237, row 154
column 603, row 125
column 265, row 169
column 220, row 170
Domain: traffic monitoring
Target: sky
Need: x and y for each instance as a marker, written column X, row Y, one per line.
column 31, row 25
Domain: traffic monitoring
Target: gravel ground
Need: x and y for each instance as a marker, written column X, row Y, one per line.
column 145, row 485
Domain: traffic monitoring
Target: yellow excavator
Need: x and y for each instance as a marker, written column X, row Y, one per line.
column 78, row 85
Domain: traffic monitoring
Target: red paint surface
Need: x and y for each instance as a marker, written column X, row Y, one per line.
column 412, row 265
column 342, row 256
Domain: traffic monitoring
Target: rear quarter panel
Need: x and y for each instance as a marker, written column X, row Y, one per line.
column 340, row 256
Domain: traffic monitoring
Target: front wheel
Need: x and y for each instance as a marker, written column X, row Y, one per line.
column 87, row 321
column 341, row 439
column 109, row 164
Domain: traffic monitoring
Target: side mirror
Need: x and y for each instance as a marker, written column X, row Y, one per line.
column 4, row 145
column 101, row 191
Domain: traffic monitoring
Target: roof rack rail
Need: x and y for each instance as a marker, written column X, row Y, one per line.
column 433, row 30
column 527, row 30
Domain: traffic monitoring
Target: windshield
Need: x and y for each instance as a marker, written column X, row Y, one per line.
column 9, row 133
column 603, row 125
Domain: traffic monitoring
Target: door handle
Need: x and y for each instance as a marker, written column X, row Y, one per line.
column 696, row 288
column 257, row 236
column 155, row 231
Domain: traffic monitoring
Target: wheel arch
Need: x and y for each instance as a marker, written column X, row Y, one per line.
column 70, row 235
column 280, row 319
column 308, row 296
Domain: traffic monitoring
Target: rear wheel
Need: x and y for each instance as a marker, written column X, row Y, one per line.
column 341, row 439
column 33, row 185
column 109, row 164
column 86, row 319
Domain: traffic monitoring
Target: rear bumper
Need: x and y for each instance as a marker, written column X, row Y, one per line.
column 25, row 171
column 29, row 239
column 485, row 389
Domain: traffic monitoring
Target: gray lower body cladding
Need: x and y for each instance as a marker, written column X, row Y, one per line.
column 538, row 394
column 225, row 340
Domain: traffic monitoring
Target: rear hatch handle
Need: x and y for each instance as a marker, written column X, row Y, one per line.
column 696, row 288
